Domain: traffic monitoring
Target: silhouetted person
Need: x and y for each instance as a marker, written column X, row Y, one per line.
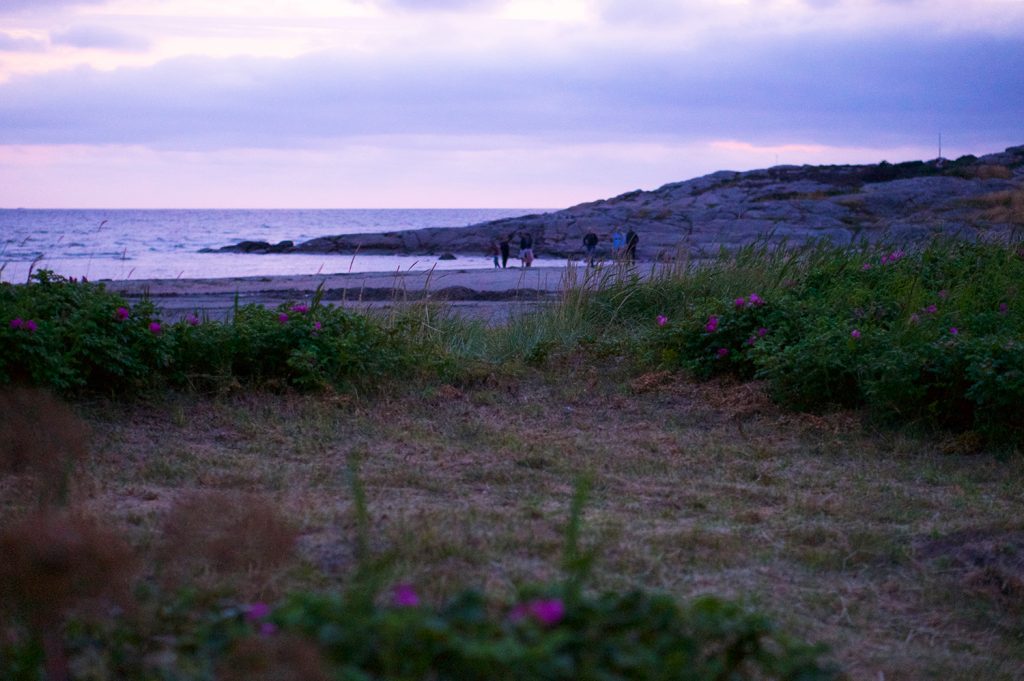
column 632, row 239
column 504, row 246
column 526, row 248
column 590, row 245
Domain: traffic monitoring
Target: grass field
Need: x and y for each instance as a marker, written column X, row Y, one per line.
column 898, row 545
column 900, row 557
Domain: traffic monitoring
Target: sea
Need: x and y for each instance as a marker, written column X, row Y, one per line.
column 167, row 244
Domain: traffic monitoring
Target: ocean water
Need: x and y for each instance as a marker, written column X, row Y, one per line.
column 165, row 244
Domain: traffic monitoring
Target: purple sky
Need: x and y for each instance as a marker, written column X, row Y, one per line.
column 482, row 103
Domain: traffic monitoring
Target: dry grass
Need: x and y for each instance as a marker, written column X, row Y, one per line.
column 210, row 536
column 277, row 658
column 904, row 559
column 41, row 439
column 1003, row 206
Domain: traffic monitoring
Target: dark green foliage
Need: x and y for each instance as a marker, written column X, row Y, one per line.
column 84, row 338
column 932, row 336
column 78, row 340
column 635, row 635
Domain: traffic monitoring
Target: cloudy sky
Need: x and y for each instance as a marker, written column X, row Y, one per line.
column 482, row 103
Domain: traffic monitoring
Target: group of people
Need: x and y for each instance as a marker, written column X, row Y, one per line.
column 501, row 248
column 623, row 246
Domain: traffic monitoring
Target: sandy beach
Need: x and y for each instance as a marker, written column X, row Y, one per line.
column 489, row 294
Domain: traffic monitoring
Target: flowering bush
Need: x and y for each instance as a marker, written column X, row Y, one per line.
column 724, row 342
column 73, row 336
column 926, row 336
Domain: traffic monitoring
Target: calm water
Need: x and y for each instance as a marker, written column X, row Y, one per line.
column 151, row 244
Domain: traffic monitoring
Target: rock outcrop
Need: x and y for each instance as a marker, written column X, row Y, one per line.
column 905, row 202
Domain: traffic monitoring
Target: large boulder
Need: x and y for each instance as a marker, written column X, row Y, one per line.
column 901, row 202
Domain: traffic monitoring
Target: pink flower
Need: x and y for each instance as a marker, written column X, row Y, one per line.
column 931, row 309
column 762, row 332
column 300, row 309
column 192, row 320
column 739, row 302
column 722, row 353
column 548, row 612
column 122, row 313
column 953, row 331
column 755, row 299
column 282, row 318
column 1003, row 308
column 751, row 340
column 16, row 323
column 30, row 325
column 712, row 324
column 662, row 320
column 866, row 266
column 405, row 596
column 257, row 611
column 855, row 334
column 317, row 326
column 155, row 328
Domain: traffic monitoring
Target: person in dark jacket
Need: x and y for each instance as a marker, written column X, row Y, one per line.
column 504, row 246
column 632, row 239
column 590, row 246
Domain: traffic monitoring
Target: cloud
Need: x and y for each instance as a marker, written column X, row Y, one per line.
column 444, row 5
column 10, row 43
column 709, row 21
column 886, row 90
column 100, row 37
column 10, row 6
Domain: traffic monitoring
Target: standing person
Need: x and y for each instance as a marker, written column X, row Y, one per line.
column 504, row 246
column 632, row 239
column 526, row 248
column 590, row 245
column 618, row 241
column 493, row 251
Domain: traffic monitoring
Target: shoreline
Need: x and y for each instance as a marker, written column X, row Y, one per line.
column 488, row 294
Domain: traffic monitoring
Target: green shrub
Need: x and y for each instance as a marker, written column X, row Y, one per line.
column 929, row 336
column 635, row 635
column 77, row 336
column 71, row 336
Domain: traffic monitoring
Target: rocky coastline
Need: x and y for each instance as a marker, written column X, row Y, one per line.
column 970, row 197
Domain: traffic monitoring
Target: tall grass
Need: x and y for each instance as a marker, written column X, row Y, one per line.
column 932, row 335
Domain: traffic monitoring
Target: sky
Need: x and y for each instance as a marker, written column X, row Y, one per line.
column 482, row 103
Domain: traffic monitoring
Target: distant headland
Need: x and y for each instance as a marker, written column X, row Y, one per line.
column 904, row 202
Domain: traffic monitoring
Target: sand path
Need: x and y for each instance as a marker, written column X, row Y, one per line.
column 490, row 294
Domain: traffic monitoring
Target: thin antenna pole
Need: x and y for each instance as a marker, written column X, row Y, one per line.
column 940, row 145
